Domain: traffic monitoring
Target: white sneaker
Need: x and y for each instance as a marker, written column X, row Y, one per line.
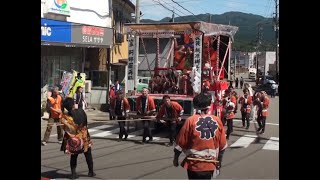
column 60, row 142
column 44, row 143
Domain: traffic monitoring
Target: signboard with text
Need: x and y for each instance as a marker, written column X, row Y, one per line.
column 55, row 31
column 197, row 64
column 131, row 42
column 197, row 55
column 91, row 35
column 78, row 34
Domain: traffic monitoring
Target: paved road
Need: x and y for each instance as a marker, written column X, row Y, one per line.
column 245, row 158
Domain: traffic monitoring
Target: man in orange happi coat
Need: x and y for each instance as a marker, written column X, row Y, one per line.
column 202, row 138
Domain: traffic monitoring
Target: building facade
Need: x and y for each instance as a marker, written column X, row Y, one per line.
column 266, row 62
column 123, row 10
column 76, row 35
column 240, row 61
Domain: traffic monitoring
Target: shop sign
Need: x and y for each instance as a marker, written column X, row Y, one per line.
column 91, row 35
column 55, row 31
column 58, row 7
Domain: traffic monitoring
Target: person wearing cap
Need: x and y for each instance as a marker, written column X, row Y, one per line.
column 174, row 111
column 202, row 138
column 54, row 104
column 120, row 108
column 145, row 107
column 245, row 109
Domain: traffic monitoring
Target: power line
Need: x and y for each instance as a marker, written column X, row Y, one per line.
column 268, row 13
column 169, row 9
column 250, row 4
column 187, row 1
column 175, row 8
column 268, row 6
column 164, row 6
column 201, row 10
column 170, row 3
column 195, row 7
column 186, row 9
column 155, row 3
column 267, row 9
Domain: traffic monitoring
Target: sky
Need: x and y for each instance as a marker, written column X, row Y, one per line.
column 151, row 9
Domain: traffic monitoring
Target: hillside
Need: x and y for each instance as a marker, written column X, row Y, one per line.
column 246, row 37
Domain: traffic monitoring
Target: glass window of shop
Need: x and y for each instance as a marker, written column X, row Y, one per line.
column 56, row 60
column 99, row 78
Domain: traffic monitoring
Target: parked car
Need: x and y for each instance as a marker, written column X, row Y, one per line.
column 266, row 87
column 268, row 79
column 143, row 82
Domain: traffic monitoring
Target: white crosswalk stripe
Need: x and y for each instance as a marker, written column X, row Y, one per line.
column 131, row 136
column 272, row 144
column 135, row 134
column 99, row 131
column 91, row 130
column 108, row 133
column 244, row 141
column 154, row 138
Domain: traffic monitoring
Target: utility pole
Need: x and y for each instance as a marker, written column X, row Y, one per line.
column 235, row 65
column 276, row 24
column 136, row 47
column 172, row 44
column 259, row 37
column 209, row 20
column 173, row 15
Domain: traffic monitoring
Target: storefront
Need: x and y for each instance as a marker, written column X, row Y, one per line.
column 98, row 42
column 68, row 46
column 56, row 56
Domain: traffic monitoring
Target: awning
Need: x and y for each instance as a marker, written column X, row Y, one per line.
column 122, row 62
column 44, row 43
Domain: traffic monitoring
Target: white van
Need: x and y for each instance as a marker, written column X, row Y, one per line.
column 252, row 73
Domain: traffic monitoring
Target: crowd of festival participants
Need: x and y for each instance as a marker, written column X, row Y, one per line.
column 203, row 158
